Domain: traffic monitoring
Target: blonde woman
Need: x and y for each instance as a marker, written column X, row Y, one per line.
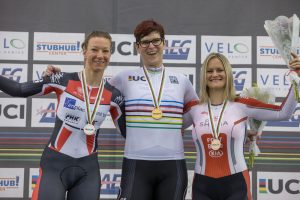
column 219, row 131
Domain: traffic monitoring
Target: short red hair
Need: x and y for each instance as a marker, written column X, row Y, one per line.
column 146, row 27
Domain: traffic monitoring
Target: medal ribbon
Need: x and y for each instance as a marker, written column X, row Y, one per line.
column 216, row 132
column 155, row 101
column 90, row 117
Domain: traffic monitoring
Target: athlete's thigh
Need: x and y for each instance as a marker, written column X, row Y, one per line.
column 238, row 195
column 135, row 183
column 236, row 187
column 202, row 188
column 87, row 187
column 51, row 188
column 200, row 195
column 49, row 185
column 173, row 185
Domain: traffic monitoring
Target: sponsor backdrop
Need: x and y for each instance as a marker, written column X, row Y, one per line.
column 35, row 33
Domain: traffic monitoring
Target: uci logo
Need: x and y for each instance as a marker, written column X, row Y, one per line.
column 12, row 111
column 124, row 48
column 136, row 78
column 290, row 186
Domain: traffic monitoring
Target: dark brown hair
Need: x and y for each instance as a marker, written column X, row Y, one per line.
column 146, row 27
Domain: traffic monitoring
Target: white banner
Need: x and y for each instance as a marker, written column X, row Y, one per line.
column 33, row 178
column 274, row 79
column 11, row 182
column 123, row 49
column 58, row 46
column 180, row 49
column 267, row 53
column 13, row 45
column 12, row 112
column 110, row 181
column 16, row 72
column 242, row 78
column 236, row 48
column 278, row 185
column 43, row 112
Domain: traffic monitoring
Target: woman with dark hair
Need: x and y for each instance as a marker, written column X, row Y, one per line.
column 156, row 99
column 69, row 164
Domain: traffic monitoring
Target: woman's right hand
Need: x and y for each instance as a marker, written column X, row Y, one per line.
column 51, row 70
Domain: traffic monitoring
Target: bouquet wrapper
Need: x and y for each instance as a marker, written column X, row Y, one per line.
column 295, row 80
column 284, row 33
column 257, row 126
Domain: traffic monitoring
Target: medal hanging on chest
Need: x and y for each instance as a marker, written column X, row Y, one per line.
column 215, row 141
column 156, row 113
column 89, row 128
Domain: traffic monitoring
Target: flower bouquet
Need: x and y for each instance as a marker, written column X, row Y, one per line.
column 284, row 32
column 263, row 95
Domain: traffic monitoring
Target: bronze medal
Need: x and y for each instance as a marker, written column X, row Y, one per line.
column 215, row 144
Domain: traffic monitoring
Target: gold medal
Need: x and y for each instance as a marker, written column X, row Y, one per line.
column 157, row 113
column 215, row 144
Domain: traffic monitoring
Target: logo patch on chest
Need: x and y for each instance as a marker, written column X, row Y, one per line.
column 173, row 79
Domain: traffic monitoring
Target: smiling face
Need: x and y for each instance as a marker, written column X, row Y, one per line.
column 97, row 54
column 215, row 75
column 152, row 55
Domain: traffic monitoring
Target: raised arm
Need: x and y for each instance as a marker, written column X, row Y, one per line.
column 25, row 89
column 262, row 111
